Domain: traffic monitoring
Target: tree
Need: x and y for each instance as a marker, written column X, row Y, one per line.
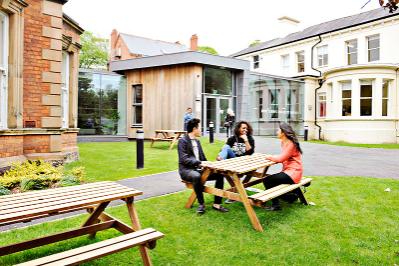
column 392, row 5
column 256, row 42
column 94, row 52
column 207, row 49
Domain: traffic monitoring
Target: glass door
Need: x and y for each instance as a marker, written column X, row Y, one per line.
column 216, row 110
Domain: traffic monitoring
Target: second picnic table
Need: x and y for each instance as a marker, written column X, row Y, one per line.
column 167, row 135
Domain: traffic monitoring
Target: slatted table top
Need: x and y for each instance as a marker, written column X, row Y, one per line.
column 30, row 204
column 170, row 131
column 241, row 165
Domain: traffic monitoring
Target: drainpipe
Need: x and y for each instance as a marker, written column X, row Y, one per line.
column 396, row 122
column 321, row 81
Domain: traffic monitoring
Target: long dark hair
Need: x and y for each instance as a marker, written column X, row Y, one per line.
column 290, row 134
column 237, row 128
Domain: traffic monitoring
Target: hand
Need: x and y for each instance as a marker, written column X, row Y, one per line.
column 244, row 137
column 204, row 163
column 268, row 156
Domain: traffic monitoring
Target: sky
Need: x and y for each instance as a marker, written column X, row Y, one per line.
column 226, row 25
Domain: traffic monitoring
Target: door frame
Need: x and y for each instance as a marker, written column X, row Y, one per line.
column 217, row 122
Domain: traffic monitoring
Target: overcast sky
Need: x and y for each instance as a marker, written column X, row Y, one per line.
column 226, row 25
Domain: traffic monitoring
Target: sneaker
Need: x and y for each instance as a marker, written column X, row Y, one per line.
column 220, row 208
column 201, row 209
column 272, row 208
column 219, row 158
column 229, row 201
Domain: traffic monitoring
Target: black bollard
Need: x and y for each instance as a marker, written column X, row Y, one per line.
column 139, row 149
column 211, row 125
column 305, row 133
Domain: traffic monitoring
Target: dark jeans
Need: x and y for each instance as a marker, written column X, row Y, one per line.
column 194, row 177
column 278, row 179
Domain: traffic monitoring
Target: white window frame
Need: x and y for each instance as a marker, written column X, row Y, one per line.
column 285, row 63
column 136, row 104
column 389, row 82
column 297, row 54
column 321, row 98
column 4, row 74
column 373, row 37
column 256, row 60
column 349, row 88
column 368, row 83
column 348, row 54
column 65, row 91
column 322, row 56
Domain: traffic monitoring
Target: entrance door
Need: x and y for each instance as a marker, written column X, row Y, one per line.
column 215, row 110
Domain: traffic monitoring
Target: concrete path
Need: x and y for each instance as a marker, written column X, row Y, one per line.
column 319, row 160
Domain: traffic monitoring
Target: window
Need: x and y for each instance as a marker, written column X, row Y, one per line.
column 300, row 58
column 385, row 96
column 346, row 99
column 322, row 56
column 256, row 61
column 65, row 90
column 285, row 63
column 273, row 97
column 351, row 50
column 322, row 100
column 137, row 107
column 260, row 104
column 3, row 69
column 366, row 98
column 373, row 48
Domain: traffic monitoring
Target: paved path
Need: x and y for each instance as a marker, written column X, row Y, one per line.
column 319, row 160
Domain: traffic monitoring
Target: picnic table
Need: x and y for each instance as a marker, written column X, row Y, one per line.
column 243, row 172
column 167, row 135
column 94, row 198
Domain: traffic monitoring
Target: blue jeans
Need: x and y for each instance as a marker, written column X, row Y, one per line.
column 227, row 152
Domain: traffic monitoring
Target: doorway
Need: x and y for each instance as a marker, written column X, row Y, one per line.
column 215, row 110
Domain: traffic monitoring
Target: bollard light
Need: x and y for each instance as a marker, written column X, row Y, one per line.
column 211, row 126
column 305, row 133
column 139, row 149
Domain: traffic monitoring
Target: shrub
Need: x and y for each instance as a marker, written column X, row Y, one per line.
column 4, row 191
column 69, row 180
column 34, row 184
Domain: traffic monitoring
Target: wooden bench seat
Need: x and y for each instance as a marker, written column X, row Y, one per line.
column 278, row 191
column 99, row 249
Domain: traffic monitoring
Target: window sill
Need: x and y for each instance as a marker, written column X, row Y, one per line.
column 363, row 119
column 137, row 126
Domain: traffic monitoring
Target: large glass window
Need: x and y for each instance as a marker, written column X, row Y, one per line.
column 3, row 69
column 366, row 98
column 218, row 81
column 300, row 58
column 274, row 94
column 385, row 97
column 102, row 103
column 351, row 51
column 256, row 61
column 322, row 104
column 322, row 56
column 373, row 48
column 285, row 63
column 346, row 98
column 137, row 107
column 260, row 104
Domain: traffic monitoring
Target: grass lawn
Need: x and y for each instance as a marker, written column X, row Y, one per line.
column 354, row 222
column 342, row 143
column 117, row 160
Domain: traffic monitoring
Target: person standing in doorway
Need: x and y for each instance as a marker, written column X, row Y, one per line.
column 187, row 117
column 229, row 121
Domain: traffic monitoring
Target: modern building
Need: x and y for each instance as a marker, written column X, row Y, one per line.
column 349, row 67
column 38, row 94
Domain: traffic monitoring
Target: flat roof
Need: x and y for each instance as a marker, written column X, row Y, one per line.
column 189, row 57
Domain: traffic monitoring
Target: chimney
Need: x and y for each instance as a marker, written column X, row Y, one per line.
column 288, row 25
column 194, row 42
column 114, row 35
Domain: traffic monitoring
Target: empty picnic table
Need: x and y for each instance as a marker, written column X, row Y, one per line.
column 93, row 197
column 253, row 170
column 167, row 135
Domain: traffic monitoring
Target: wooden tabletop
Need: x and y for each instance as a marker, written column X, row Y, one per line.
column 21, row 206
column 171, row 131
column 241, row 165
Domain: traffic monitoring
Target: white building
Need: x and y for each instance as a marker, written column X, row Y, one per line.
column 356, row 59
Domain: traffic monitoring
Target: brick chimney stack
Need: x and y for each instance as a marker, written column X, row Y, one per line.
column 114, row 35
column 194, row 42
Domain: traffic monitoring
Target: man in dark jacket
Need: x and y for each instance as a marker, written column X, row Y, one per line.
column 191, row 159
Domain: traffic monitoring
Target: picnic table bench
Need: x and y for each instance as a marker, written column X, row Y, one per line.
column 167, row 135
column 243, row 172
column 94, row 198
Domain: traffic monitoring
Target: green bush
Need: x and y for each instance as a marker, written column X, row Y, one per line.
column 35, row 175
column 4, row 191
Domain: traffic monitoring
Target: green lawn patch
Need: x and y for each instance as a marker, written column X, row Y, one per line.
column 354, row 222
column 110, row 161
column 342, row 143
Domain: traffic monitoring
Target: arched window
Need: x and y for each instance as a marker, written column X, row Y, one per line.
column 3, row 69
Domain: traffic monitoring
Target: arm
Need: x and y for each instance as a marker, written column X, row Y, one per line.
column 286, row 153
column 252, row 143
column 184, row 157
column 246, row 142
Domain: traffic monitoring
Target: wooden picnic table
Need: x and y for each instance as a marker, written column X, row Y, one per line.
column 253, row 170
column 167, row 135
column 94, row 198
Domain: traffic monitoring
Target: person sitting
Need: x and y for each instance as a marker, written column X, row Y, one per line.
column 191, row 159
column 240, row 144
column 291, row 159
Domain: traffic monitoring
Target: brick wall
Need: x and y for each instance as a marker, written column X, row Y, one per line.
column 69, row 140
column 11, row 146
column 36, row 144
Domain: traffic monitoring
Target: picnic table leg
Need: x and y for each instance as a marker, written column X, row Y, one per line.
column 175, row 138
column 193, row 196
column 93, row 218
column 302, row 196
column 134, row 218
column 248, row 207
column 153, row 139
